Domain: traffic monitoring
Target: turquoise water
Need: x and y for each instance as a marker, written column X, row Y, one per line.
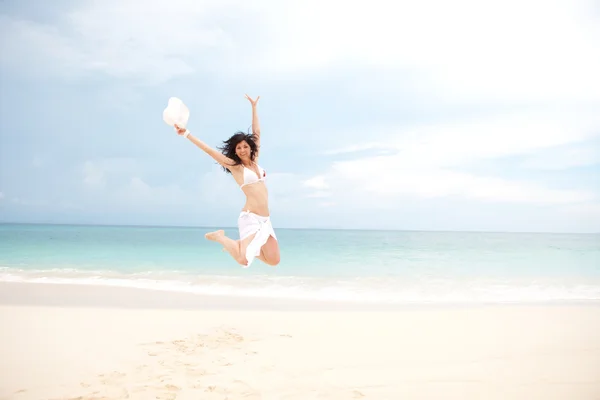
column 344, row 265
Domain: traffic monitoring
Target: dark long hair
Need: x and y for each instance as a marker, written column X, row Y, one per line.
column 229, row 145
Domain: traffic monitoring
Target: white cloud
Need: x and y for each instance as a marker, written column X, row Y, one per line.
column 585, row 211
column 140, row 194
column 318, row 195
column 327, row 204
column 584, row 217
column 117, row 181
column 29, row 203
column 498, row 136
column 427, row 159
column 519, row 50
column 109, row 171
column 462, row 141
column 319, row 185
column 356, row 148
column 511, row 50
column 317, row 182
column 154, row 43
column 93, row 175
column 444, row 183
column 564, row 157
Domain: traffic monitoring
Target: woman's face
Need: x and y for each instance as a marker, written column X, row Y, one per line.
column 243, row 150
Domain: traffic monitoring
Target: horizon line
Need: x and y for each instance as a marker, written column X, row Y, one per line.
column 296, row 228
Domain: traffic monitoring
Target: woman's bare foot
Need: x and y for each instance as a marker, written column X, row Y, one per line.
column 215, row 236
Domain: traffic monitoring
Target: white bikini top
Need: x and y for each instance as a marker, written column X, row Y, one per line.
column 250, row 176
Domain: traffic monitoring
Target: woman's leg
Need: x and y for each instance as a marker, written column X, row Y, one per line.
column 269, row 253
column 236, row 248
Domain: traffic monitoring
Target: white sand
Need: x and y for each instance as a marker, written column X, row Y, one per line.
column 110, row 352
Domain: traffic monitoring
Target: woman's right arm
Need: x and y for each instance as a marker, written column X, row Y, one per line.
column 217, row 156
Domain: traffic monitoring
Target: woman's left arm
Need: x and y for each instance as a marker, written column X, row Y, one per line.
column 255, row 122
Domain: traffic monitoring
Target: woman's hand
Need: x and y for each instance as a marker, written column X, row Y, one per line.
column 253, row 102
column 180, row 131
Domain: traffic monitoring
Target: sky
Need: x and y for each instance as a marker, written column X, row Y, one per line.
column 428, row 115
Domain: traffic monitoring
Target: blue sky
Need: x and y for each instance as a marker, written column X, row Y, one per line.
column 415, row 115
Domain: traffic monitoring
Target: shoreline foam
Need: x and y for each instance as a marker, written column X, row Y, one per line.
column 366, row 290
column 101, row 296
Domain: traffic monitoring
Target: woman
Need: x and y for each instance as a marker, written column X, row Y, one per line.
column 239, row 157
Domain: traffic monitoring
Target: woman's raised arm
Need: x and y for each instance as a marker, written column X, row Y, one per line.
column 216, row 155
column 255, row 122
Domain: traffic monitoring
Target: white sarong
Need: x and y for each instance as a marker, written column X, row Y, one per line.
column 250, row 223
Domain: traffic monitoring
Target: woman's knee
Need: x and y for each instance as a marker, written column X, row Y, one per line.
column 273, row 260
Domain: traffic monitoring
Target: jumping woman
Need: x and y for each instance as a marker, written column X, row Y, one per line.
column 239, row 157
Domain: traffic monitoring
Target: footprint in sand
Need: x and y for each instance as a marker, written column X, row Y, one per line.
column 170, row 392
column 235, row 390
column 179, row 358
column 243, row 389
column 166, row 392
column 112, row 378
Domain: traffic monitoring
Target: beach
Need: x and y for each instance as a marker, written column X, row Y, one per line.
column 93, row 342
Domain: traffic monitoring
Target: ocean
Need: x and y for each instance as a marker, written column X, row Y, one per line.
column 375, row 267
